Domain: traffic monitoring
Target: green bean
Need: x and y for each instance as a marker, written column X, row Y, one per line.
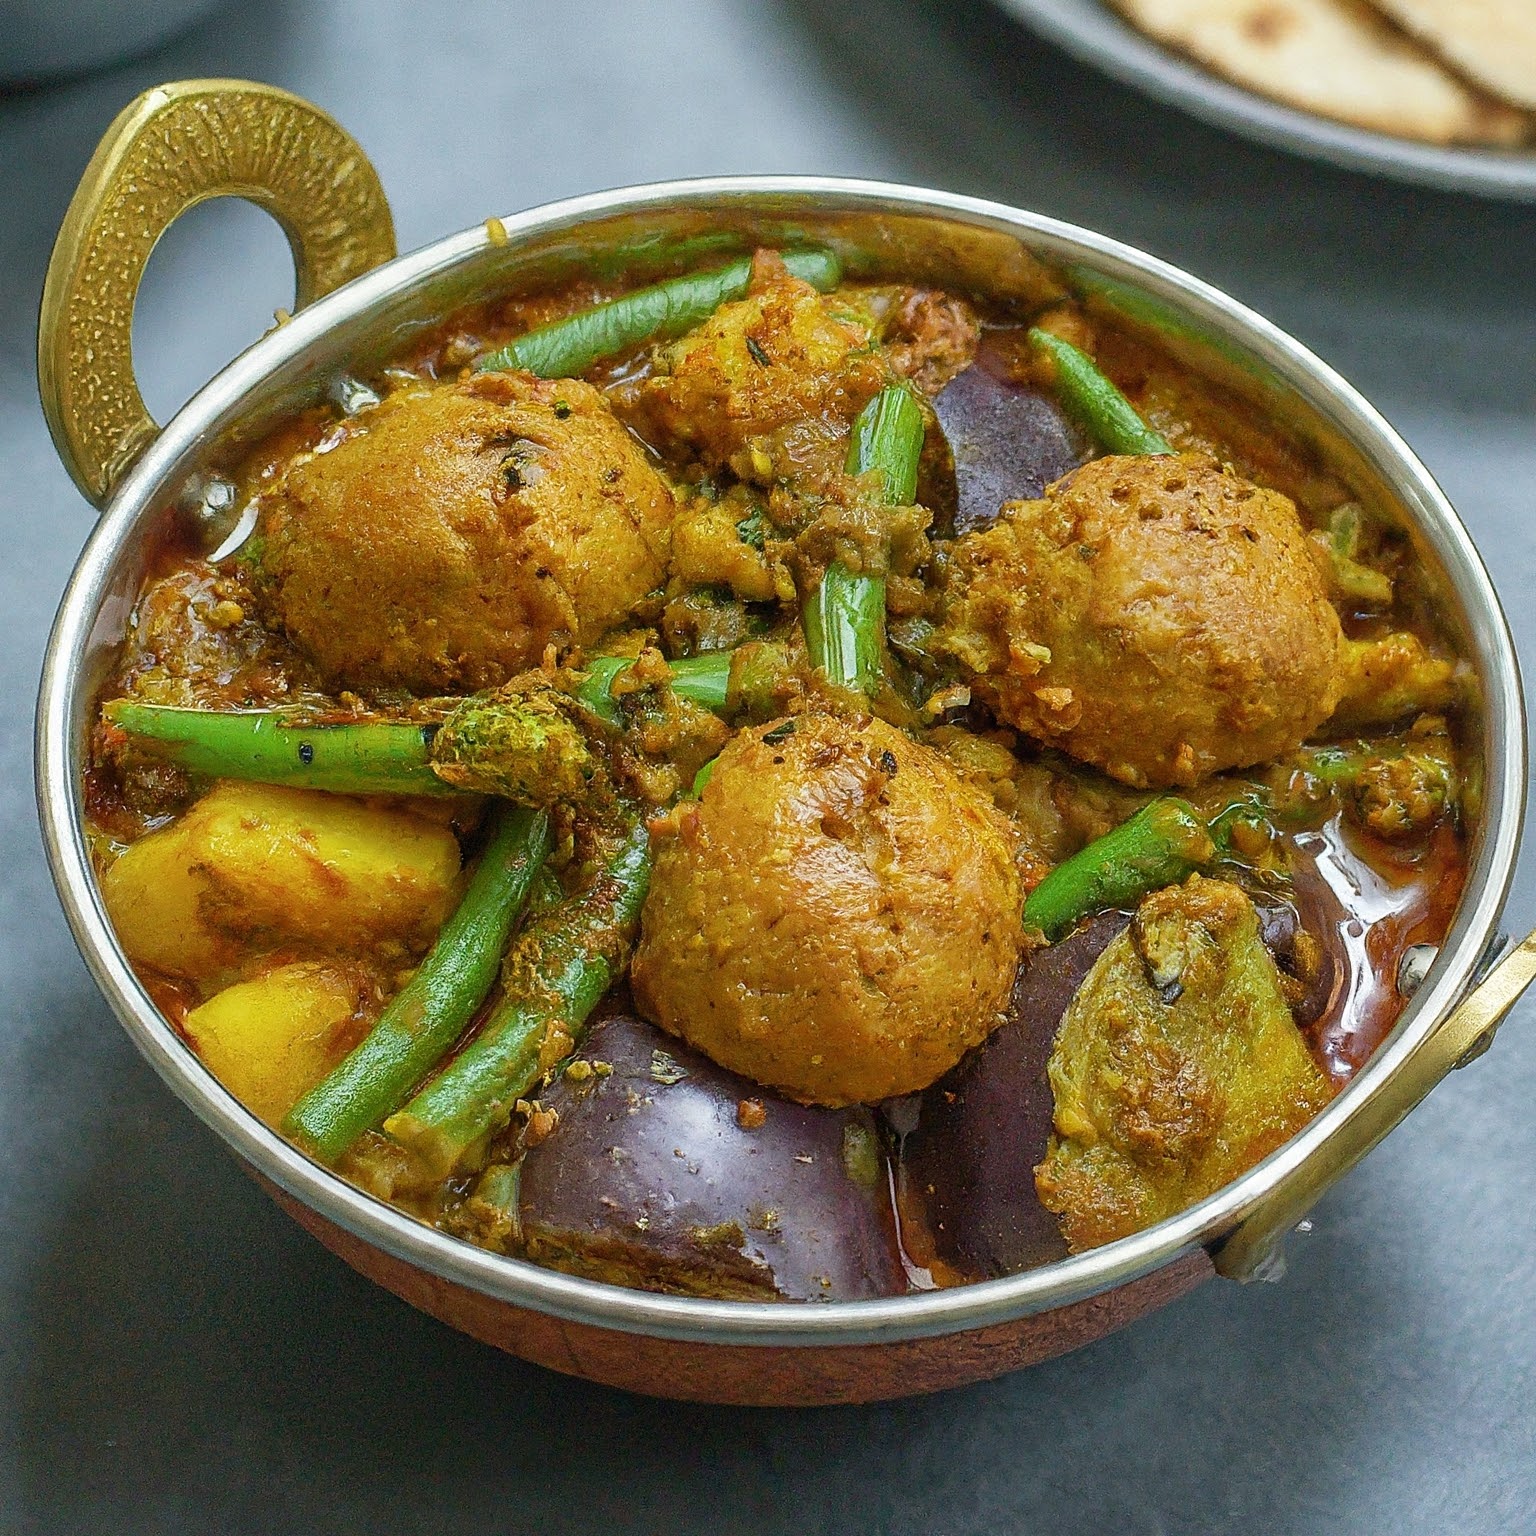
column 1336, row 767
column 556, row 973
column 540, row 746
column 844, row 623
column 568, row 348
column 1103, row 412
column 1352, row 578
column 1160, row 845
column 888, row 436
column 430, row 1011
column 706, row 680
column 275, row 747
column 844, row 618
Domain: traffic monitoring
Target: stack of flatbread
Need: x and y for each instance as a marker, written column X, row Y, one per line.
column 1446, row 71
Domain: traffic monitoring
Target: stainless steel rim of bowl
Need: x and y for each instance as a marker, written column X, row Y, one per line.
column 223, row 401
column 1092, row 32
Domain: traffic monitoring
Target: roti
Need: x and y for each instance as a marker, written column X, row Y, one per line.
column 1490, row 41
column 1333, row 57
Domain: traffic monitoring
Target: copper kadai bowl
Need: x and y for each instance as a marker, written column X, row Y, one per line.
column 185, row 142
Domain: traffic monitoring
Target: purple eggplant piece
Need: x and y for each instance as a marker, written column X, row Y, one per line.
column 984, row 1127
column 650, row 1178
column 1009, row 442
column 982, row 1130
column 1279, row 925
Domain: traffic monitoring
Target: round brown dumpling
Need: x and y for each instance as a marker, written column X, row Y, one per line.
column 768, row 384
column 1159, row 617
column 837, row 916
column 456, row 530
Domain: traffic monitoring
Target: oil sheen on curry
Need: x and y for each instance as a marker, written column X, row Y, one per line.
column 765, row 785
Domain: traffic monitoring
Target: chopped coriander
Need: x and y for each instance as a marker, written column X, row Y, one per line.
column 752, row 529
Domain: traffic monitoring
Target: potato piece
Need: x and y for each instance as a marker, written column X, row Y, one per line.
column 322, row 867
column 256, row 861
column 154, row 902
column 269, row 1039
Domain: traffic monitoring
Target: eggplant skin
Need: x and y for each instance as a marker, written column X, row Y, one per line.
column 1008, row 442
column 666, row 1173
column 982, row 1129
column 985, row 1127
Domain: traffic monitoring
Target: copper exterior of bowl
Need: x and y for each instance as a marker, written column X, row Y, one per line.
column 812, row 1353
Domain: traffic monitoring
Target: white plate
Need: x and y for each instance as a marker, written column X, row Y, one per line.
column 1097, row 35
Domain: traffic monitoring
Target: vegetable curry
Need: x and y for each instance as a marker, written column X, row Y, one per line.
column 766, row 785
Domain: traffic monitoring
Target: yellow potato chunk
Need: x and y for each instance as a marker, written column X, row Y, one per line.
column 257, row 862
column 155, row 904
column 269, row 1039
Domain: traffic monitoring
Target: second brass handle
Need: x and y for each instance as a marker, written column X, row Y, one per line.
column 1248, row 1250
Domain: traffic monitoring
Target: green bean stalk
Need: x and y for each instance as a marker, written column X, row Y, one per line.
column 1163, row 843
column 1396, row 789
column 429, row 1013
column 536, row 745
column 531, row 746
column 705, row 680
column 844, row 617
column 557, row 971
column 566, row 349
column 1094, row 402
column 1352, row 579
column 279, row 747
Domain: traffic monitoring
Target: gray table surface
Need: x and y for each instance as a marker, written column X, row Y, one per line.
column 176, row 1356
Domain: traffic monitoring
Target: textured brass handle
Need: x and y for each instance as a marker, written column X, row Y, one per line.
column 174, row 147
column 1251, row 1250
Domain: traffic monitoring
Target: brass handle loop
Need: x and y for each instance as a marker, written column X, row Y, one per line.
column 1250, row 1250
column 172, row 148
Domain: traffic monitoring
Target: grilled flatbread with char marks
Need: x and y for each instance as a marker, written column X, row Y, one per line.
column 1333, row 57
column 1492, row 42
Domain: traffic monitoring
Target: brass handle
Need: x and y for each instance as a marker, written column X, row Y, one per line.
column 174, row 147
column 1249, row 1252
